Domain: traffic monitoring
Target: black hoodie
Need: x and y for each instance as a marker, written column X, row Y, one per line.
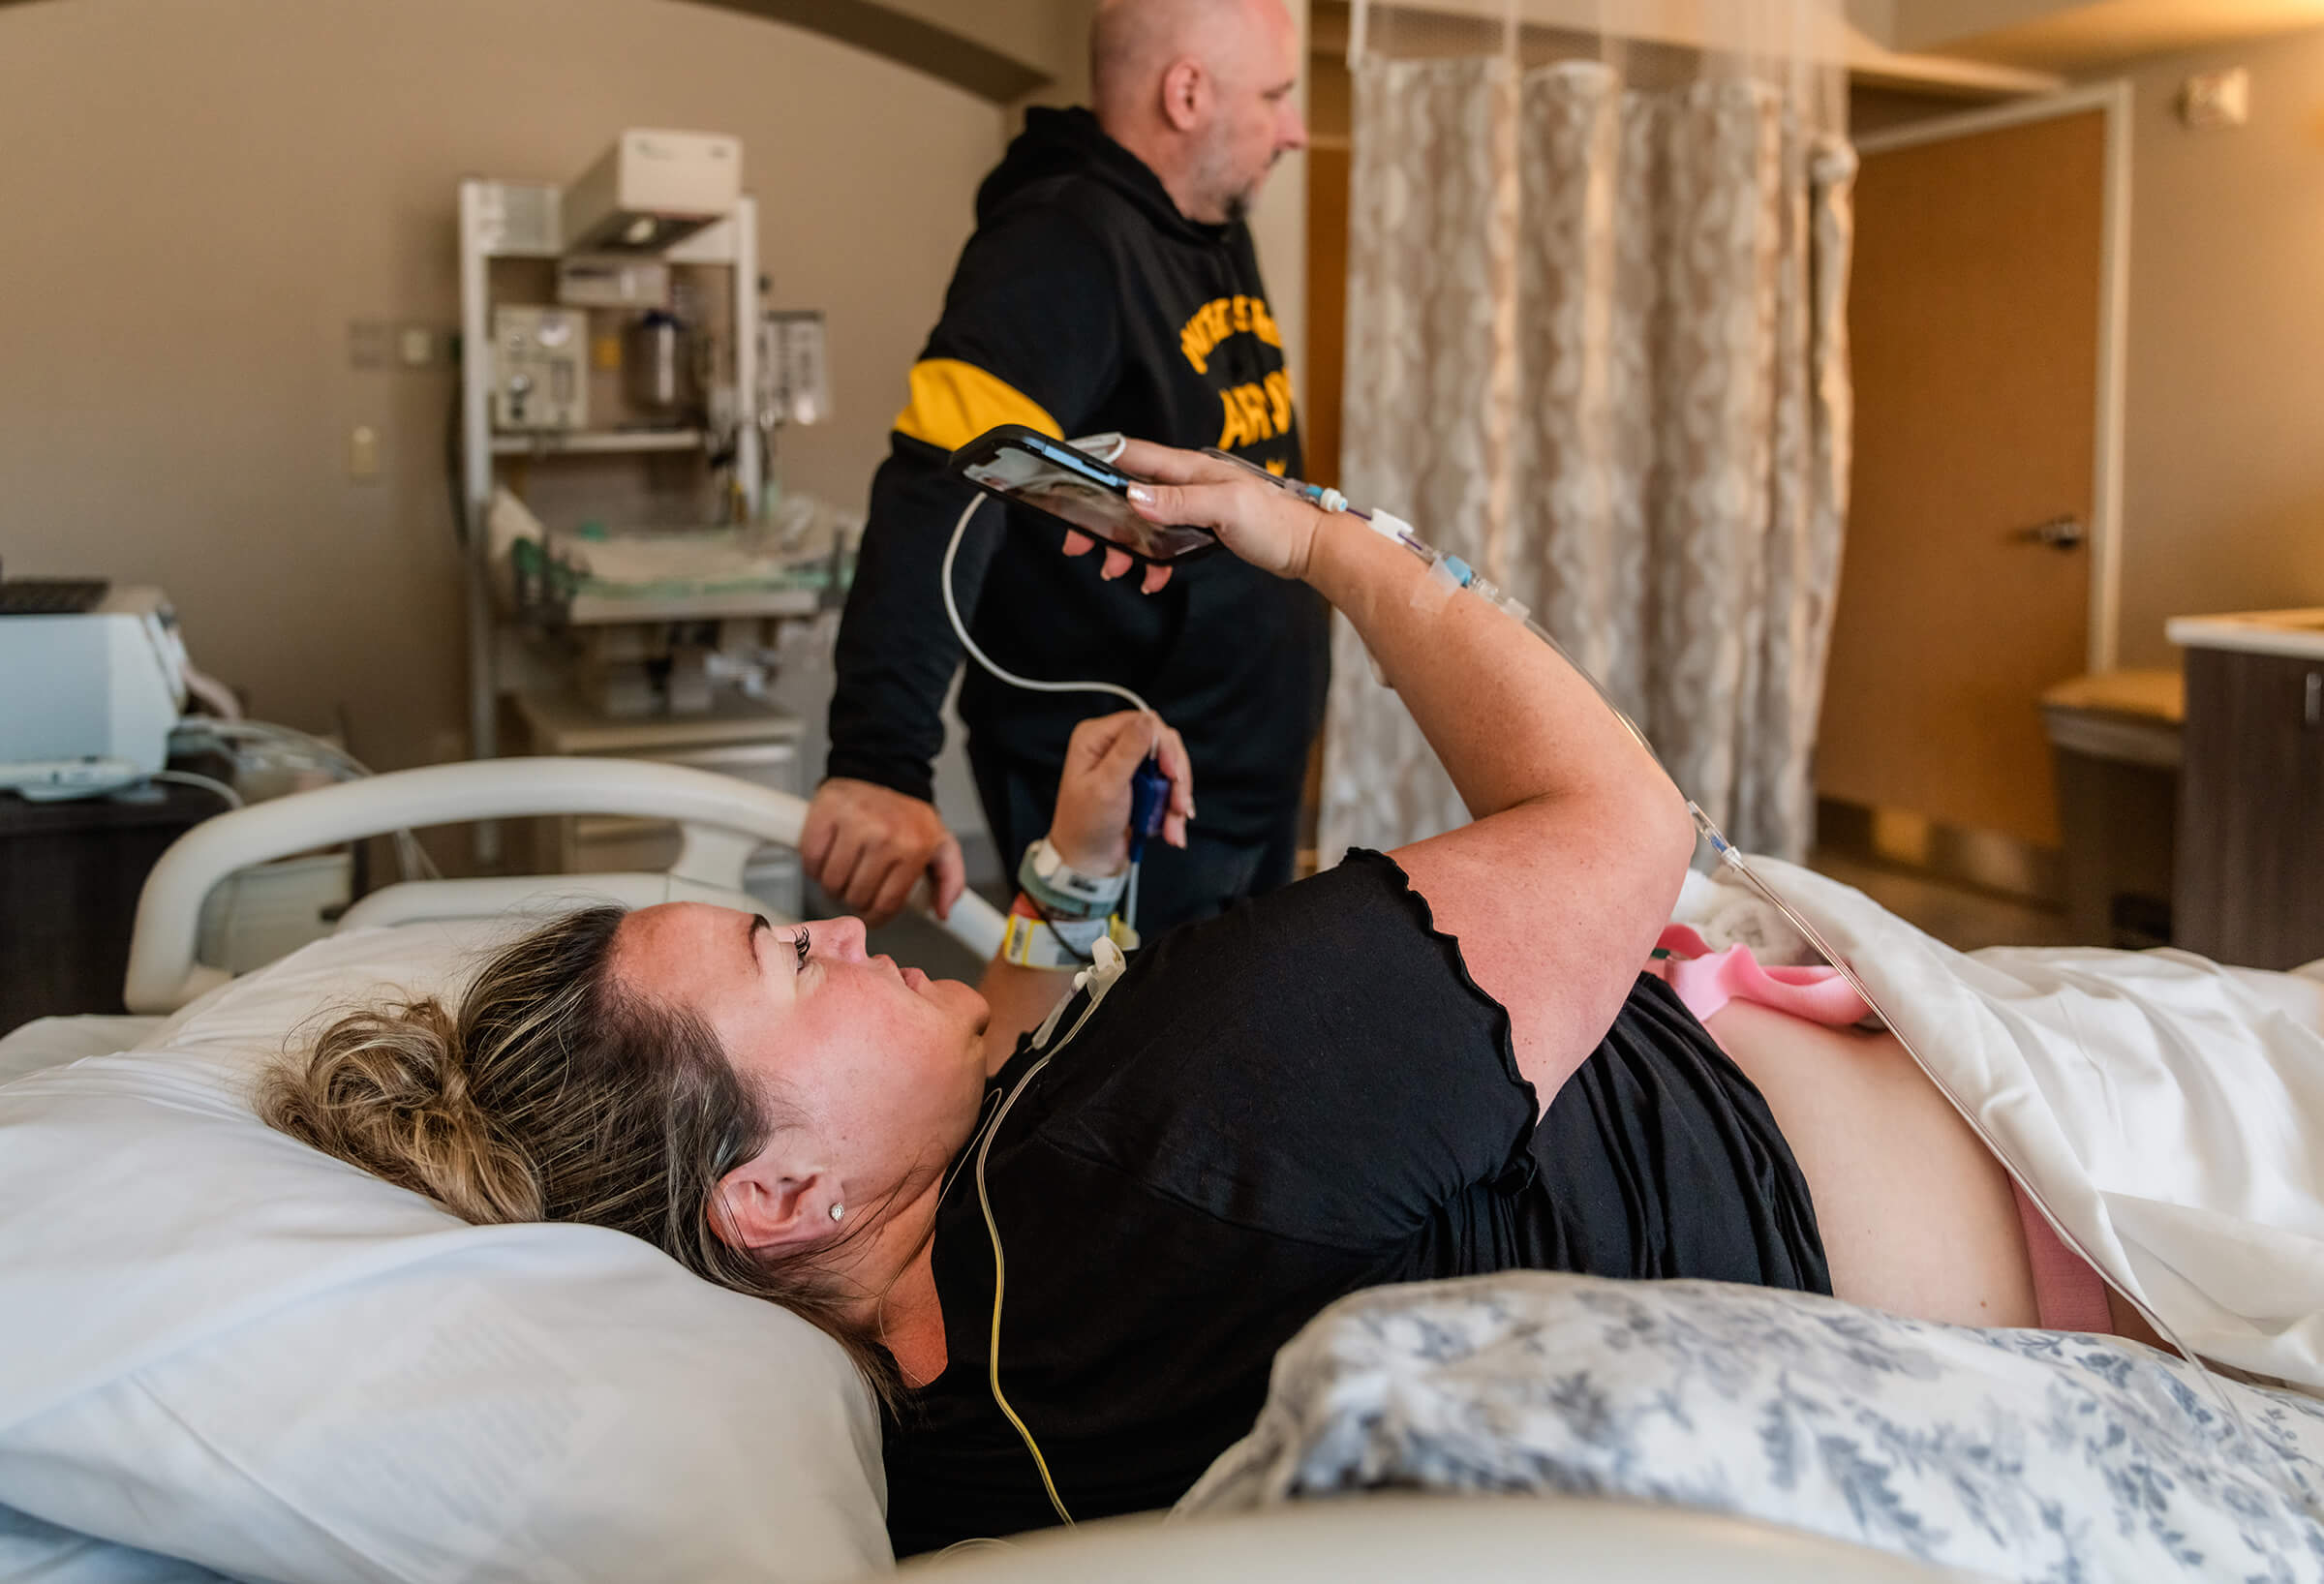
column 1084, row 302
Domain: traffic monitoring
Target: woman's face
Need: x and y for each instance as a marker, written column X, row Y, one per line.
column 884, row 1065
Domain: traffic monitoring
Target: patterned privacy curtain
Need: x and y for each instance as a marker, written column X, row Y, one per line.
column 1596, row 346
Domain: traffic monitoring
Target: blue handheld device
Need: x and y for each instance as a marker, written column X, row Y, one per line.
column 1149, row 801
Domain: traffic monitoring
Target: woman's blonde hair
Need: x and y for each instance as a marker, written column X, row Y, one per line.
column 557, row 1094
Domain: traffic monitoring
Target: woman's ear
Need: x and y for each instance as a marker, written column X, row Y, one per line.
column 774, row 1203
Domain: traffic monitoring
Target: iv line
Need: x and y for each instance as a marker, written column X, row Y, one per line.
column 1457, row 572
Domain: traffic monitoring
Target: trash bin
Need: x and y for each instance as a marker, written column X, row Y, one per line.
column 2114, row 738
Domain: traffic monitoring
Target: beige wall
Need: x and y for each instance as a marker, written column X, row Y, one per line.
column 1927, row 25
column 1028, row 30
column 1279, row 231
column 2224, row 486
column 1068, row 60
column 204, row 193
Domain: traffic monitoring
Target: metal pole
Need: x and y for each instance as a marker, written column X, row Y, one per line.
column 478, row 232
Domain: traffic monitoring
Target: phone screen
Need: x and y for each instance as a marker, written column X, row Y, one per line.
column 1080, row 500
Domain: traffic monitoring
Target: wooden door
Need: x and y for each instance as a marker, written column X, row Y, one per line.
column 1326, row 308
column 1974, row 322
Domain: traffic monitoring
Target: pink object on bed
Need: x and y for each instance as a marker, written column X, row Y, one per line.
column 2069, row 1294
column 1706, row 980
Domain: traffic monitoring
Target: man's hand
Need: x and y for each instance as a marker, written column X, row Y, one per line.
column 868, row 844
column 1091, row 826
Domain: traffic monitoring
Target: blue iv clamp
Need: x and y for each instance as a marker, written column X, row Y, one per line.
column 1149, row 801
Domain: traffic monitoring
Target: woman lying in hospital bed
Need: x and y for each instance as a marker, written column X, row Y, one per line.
column 1067, row 1237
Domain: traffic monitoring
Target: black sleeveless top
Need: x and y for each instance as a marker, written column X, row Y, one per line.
column 1273, row 1108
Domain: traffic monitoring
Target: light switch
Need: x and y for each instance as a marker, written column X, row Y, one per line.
column 363, row 452
column 415, row 345
column 2216, row 99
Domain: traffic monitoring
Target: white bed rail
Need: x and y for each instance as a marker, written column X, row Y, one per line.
column 721, row 820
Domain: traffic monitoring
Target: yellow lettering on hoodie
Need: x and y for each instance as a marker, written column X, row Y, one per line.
column 1220, row 317
column 1279, row 401
column 1234, row 431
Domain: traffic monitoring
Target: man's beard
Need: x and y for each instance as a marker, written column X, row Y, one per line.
column 1215, row 171
column 1239, row 204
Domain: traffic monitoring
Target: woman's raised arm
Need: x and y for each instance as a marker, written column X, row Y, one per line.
column 1578, row 841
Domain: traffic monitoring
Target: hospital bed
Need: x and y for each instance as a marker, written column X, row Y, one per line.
column 216, row 1345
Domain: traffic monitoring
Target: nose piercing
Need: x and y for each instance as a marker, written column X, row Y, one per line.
column 838, row 1211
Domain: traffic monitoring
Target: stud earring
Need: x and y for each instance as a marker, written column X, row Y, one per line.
column 838, row 1211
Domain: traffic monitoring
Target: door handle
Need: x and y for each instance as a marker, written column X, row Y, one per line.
column 2058, row 533
column 2312, row 707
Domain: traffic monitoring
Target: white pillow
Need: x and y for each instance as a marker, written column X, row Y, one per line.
column 31, row 1552
column 220, row 1344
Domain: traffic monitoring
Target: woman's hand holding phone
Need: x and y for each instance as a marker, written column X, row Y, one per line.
column 1271, row 529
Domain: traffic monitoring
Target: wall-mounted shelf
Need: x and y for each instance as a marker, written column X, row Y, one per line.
column 596, row 441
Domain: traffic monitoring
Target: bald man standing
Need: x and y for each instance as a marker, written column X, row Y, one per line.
column 1110, row 284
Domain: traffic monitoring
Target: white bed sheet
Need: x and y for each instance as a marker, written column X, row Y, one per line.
column 52, row 1041
column 2163, row 1111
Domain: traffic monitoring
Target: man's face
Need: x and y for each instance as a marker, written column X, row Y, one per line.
column 1254, row 111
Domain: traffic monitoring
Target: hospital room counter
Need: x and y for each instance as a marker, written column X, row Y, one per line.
column 2249, row 881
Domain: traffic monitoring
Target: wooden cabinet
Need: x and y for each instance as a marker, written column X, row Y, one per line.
column 2250, row 871
column 70, row 875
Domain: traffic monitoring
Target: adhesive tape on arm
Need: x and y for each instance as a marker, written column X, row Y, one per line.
column 1389, row 525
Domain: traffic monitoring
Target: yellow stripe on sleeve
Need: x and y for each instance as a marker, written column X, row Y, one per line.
column 954, row 402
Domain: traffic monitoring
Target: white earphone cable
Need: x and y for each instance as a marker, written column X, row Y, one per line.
column 951, row 609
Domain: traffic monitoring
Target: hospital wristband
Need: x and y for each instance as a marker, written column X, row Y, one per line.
column 1032, row 941
column 1064, row 891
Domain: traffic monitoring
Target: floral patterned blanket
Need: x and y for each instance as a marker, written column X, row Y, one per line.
column 2025, row 1455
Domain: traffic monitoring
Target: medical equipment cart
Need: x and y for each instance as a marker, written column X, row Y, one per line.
column 517, row 400
column 737, row 737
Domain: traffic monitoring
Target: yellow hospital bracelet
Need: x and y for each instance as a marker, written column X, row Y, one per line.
column 1032, row 943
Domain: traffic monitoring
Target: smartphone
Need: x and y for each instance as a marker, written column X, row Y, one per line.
column 1025, row 467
